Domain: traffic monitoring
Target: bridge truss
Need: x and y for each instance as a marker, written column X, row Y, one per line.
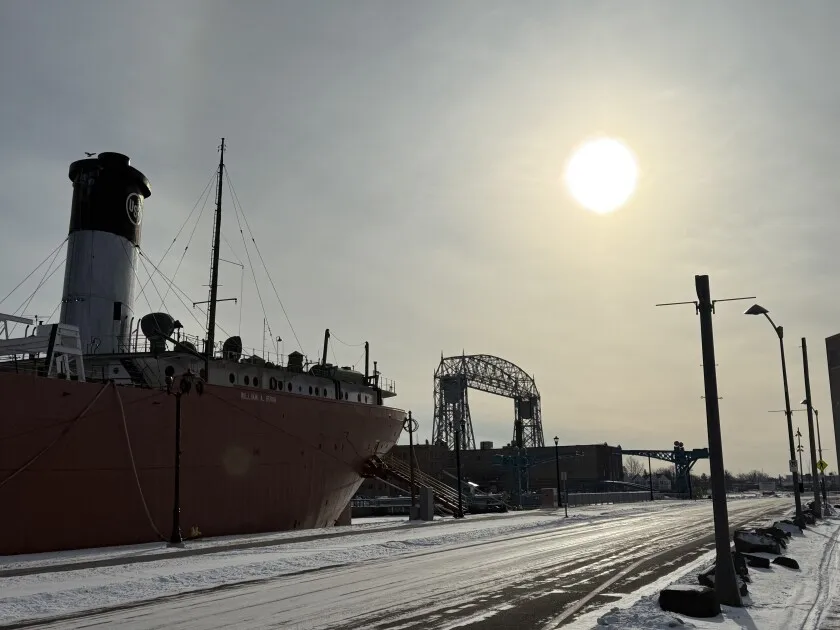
column 682, row 459
column 486, row 373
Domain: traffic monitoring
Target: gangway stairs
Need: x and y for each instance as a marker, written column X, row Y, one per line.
column 390, row 468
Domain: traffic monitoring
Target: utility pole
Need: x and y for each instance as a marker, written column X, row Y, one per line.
column 726, row 584
column 815, row 486
column 557, row 464
column 650, row 478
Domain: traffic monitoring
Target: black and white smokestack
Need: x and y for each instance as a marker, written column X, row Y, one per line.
column 105, row 224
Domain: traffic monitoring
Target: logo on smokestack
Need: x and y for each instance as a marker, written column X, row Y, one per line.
column 134, row 208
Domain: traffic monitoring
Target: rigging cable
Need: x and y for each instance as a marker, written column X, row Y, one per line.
column 134, row 465
column 248, row 254
column 31, row 273
column 137, row 277
column 47, row 275
column 64, row 432
column 270, row 279
column 349, row 345
column 180, row 229
column 179, row 290
column 241, row 282
column 189, row 241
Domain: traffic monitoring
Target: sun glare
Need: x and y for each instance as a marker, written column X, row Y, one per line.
column 601, row 175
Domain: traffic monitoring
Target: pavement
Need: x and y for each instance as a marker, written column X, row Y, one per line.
column 542, row 579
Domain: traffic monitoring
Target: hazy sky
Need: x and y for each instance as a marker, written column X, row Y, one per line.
column 401, row 164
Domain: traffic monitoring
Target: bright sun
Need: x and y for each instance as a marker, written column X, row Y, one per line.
column 602, row 174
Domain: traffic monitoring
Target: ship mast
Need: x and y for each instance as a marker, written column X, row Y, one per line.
column 214, row 268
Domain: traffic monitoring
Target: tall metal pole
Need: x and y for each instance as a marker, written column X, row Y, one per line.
column 214, row 269
column 557, row 465
column 726, row 585
column 819, row 446
column 814, row 472
column 176, row 508
column 799, row 450
column 566, row 492
column 781, row 334
column 650, row 478
column 411, row 460
column 458, row 460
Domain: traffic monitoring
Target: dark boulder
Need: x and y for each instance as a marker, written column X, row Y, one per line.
column 778, row 535
column 788, row 526
column 692, row 601
column 750, row 542
column 785, row 561
column 757, row 562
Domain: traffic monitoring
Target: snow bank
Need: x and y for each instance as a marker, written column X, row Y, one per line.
column 779, row 598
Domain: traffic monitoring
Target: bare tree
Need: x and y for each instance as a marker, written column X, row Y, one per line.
column 633, row 468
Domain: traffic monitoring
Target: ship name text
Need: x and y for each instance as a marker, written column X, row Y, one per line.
column 257, row 397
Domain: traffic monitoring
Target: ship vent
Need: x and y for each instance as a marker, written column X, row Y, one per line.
column 232, row 348
column 295, row 363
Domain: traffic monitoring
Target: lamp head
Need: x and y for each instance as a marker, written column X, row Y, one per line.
column 556, row 440
column 756, row 309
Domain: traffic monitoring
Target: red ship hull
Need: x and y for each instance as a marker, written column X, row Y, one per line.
column 251, row 462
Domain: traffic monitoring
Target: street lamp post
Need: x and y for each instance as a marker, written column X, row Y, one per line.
column 458, row 429
column 557, row 464
column 799, row 450
column 756, row 309
column 814, row 472
column 819, row 448
column 411, row 424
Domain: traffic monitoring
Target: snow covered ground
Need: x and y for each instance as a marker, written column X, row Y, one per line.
column 369, row 574
column 779, row 599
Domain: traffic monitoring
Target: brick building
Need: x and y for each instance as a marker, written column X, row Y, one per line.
column 587, row 467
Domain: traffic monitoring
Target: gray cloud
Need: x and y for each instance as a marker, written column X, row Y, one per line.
column 400, row 166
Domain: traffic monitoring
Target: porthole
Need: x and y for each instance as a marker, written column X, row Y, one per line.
column 232, row 378
column 290, row 386
column 272, row 383
column 325, row 392
column 317, row 393
column 345, row 395
column 359, row 397
column 365, row 397
column 300, row 389
column 310, row 390
column 256, row 382
column 247, row 380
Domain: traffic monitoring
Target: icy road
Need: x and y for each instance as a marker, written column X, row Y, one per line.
column 542, row 575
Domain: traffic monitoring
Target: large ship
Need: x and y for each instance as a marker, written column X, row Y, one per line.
column 119, row 429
